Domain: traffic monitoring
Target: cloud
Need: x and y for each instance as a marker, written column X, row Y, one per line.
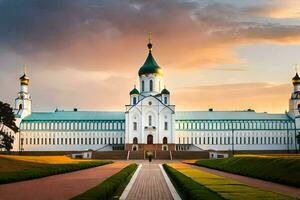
column 85, row 35
column 276, row 9
column 240, row 96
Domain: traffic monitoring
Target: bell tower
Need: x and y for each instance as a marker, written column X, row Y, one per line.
column 23, row 101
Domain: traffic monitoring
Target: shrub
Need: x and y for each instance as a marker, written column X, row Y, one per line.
column 280, row 170
column 188, row 188
column 110, row 187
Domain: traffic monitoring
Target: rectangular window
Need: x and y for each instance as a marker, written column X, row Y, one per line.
column 134, row 126
column 166, row 126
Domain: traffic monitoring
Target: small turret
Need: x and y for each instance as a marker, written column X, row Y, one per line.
column 23, row 101
column 134, row 95
column 165, row 94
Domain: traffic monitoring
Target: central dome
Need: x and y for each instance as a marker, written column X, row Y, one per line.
column 150, row 66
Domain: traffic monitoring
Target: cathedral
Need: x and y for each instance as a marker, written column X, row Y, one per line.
column 151, row 121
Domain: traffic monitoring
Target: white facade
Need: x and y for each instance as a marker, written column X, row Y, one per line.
column 150, row 118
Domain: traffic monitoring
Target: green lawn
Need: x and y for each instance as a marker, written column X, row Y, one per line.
column 111, row 187
column 20, row 168
column 227, row 188
column 280, row 170
column 187, row 188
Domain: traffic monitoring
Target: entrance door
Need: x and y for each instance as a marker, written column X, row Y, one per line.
column 150, row 139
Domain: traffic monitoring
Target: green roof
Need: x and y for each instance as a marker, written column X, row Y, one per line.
column 134, row 91
column 150, row 66
column 74, row 115
column 228, row 115
column 165, row 91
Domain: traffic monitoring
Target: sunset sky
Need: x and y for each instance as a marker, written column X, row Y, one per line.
column 221, row 54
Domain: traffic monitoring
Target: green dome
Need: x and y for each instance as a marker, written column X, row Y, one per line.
column 165, row 91
column 150, row 66
column 134, row 91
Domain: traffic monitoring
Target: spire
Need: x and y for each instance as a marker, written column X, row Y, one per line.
column 149, row 45
column 25, row 68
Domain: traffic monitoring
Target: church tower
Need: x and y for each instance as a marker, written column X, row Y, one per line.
column 150, row 118
column 23, row 101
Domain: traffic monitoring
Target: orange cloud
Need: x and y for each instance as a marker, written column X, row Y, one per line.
column 234, row 97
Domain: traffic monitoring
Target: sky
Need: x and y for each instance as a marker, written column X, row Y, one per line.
column 85, row 54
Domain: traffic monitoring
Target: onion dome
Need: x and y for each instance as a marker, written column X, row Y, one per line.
column 296, row 79
column 165, row 91
column 134, row 91
column 24, row 80
column 150, row 66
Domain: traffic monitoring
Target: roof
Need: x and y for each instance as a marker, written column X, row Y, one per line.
column 134, row 91
column 296, row 79
column 165, row 91
column 228, row 115
column 75, row 115
column 150, row 66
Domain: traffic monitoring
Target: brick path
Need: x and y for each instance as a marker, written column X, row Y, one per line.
column 254, row 182
column 150, row 184
column 59, row 187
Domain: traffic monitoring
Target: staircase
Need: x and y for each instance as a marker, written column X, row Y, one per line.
column 136, row 155
column 163, row 155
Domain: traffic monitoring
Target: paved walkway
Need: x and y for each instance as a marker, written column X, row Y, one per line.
column 59, row 187
column 149, row 184
column 261, row 184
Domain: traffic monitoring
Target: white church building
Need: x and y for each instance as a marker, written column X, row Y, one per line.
column 151, row 120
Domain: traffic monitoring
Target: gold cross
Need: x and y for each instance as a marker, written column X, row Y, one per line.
column 150, row 35
column 25, row 68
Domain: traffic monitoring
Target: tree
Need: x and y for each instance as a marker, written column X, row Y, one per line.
column 7, row 119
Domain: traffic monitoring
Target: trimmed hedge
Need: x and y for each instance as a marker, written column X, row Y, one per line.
column 42, row 170
column 112, row 186
column 188, row 188
column 281, row 170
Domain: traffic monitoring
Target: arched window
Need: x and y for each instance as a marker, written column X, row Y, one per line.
column 150, row 120
column 135, row 140
column 166, row 100
column 150, row 139
column 143, row 86
column 165, row 140
column 151, row 85
column 20, row 106
column 134, row 100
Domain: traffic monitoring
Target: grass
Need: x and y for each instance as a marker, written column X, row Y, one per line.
column 288, row 156
column 187, row 188
column 111, row 187
column 281, row 170
column 20, row 168
column 227, row 188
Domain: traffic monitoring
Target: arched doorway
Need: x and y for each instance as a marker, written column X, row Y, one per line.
column 165, row 140
column 135, row 140
column 150, row 139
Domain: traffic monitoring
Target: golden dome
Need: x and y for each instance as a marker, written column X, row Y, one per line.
column 24, row 80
